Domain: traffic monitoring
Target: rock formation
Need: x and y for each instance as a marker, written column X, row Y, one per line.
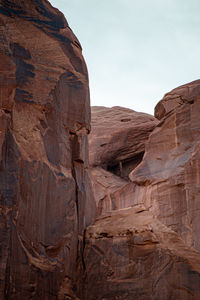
column 116, row 143
column 170, row 168
column 145, row 242
column 124, row 228
column 45, row 118
column 130, row 254
column 118, row 137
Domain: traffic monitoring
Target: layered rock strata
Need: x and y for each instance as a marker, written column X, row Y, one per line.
column 44, row 117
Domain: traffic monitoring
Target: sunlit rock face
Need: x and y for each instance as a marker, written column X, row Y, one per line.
column 44, row 117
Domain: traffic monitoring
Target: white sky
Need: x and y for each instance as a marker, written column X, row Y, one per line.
column 136, row 50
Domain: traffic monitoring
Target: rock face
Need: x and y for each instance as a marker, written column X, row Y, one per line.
column 145, row 243
column 68, row 231
column 116, row 146
column 118, row 137
column 170, row 168
column 44, row 117
column 110, row 191
column 184, row 94
column 129, row 255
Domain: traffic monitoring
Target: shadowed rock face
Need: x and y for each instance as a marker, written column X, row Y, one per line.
column 44, row 121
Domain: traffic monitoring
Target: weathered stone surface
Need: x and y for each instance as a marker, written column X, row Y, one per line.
column 44, row 121
column 186, row 93
column 151, row 251
column 110, row 191
column 168, row 177
column 145, row 242
column 116, row 146
column 118, row 137
column 129, row 254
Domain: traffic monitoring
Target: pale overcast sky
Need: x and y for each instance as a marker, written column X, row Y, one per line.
column 136, row 51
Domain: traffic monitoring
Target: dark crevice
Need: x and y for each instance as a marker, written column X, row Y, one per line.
column 74, row 146
column 124, row 167
column 82, row 252
column 6, row 111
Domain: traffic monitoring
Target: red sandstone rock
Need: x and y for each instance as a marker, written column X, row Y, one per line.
column 49, row 249
column 110, row 191
column 117, row 138
column 186, row 93
column 168, row 177
column 116, row 143
column 129, row 255
column 151, row 251
column 44, row 121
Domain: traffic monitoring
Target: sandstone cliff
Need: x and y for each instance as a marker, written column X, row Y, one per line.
column 123, row 228
column 45, row 118
column 145, row 241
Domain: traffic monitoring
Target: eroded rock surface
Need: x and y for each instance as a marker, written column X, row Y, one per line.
column 151, row 250
column 168, row 177
column 111, row 192
column 44, row 119
column 118, row 137
column 116, row 146
column 183, row 94
column 129, row 254
column 145, row 242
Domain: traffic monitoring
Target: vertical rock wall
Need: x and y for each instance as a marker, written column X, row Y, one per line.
column 44, row 121
column 169, row 173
